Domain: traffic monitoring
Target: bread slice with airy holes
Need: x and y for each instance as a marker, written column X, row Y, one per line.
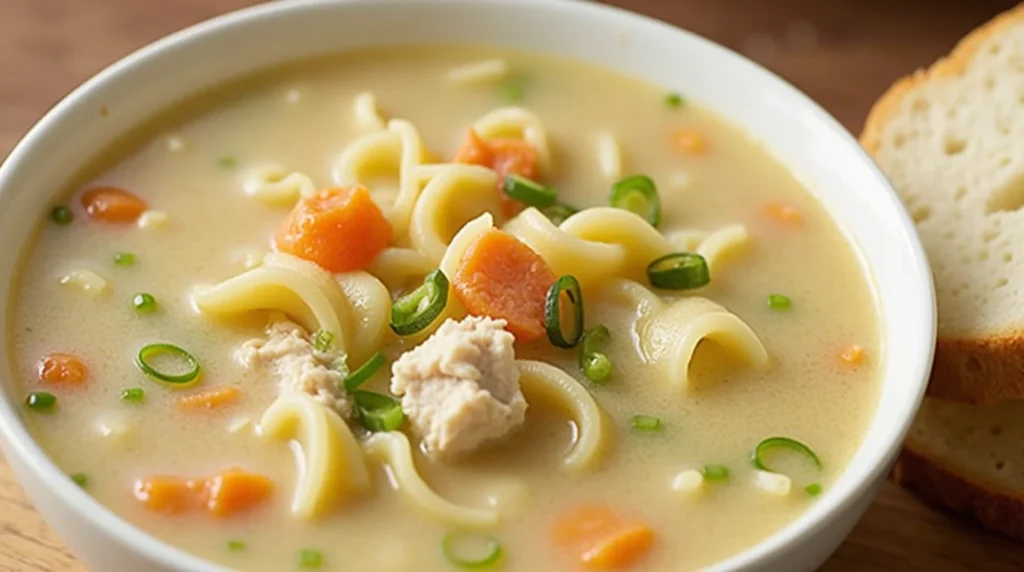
column 970, row 459
column 951, row 139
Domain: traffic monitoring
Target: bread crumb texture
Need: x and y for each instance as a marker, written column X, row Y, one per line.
column 969, row 459
column 951, row 140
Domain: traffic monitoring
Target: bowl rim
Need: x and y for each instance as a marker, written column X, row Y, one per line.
column 18, row 441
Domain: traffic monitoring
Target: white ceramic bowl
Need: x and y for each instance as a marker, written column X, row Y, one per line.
column 794, row 128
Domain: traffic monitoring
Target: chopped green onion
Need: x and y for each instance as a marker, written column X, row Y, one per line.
column 594, row 364
column 757, row 457
column 236, row 545
column 639, row 195
column 41, row 401
column 309, row 558
column 558, row 212
column 679, row 271
column 144, row 303
column 227, row 161
column 529, row 192
column 133, row 394
column 61, row 215
column 513, row 90
column 715, row 472
column 148, row 352
column 79, row 479
column 674, row 100
column 322, row 340
column 645, row 423
column 553, row 312
column 779, row 302
column 417, row 309
column 813, row 489
column 471, row 551
column 364, row 373
column 124, row 259
column 378, row 412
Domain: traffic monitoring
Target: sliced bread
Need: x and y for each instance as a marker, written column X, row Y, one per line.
column 951, row 140
column 969, row 459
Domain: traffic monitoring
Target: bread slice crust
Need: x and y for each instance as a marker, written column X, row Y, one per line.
column 944, row 485
column 974, row 370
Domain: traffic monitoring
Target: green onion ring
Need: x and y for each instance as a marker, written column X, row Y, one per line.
column 782, row 443
column 151, row 350
column 529, row 192
column 637, row 194
column 594, row 364
column 679, row 271
column 450, row 547
column 378, row 412
column 364, row 373
column 409, row 316
column 553, row 312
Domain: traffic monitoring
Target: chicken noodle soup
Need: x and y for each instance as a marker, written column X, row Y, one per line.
column 433, row 308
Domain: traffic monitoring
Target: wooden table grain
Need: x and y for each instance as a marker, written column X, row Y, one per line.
column 843, row 53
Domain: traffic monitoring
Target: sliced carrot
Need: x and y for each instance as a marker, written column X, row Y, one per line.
column 600, row 539
column 689, row 142
column 62, row 368
column 340, row 229
column 784, row 213
column 501, row 277
column 505, row 157
column 223, row 495
column 235, row 491
column 210, row 399
column 853, row 355
column 111, row 204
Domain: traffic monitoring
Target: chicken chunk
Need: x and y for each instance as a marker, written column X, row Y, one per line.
column 297, row 365
column 460, row 388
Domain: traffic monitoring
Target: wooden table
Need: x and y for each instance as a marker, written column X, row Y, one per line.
column 843, row 53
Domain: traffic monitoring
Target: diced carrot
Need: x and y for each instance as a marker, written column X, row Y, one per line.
column 223, row 495
column 853, row 355
column 501, row 277
column 210, row 399
column 340, row 229
column 504, row 156
column 170, row 495
column 689, row 142
column 62, row 368
column 600, row 539
column 235, row 491
column 784, row 213
column 111, row 204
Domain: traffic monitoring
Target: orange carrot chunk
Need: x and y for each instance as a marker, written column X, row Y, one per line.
column 600, row 539
column 689, row 142
column 210, row 399
column 340, row 229
column 61, row 368
column 505, row 157
column 786, row 214
column 170, row 495
column 111, row 204
column 501, row 277
column 223, row 495
column 235, row 491
column 853, row 355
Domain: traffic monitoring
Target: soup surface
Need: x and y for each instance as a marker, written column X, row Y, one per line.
column 512, row 453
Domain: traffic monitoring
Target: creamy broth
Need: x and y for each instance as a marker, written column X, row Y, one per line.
column 192, row 165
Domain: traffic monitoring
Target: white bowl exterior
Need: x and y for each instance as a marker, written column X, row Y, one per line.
column 801, row 135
